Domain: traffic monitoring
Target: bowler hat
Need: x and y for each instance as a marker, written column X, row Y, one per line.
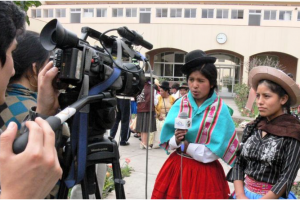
column 183, row 86
column 196, row 58
column 277, row 76
column 165, row 85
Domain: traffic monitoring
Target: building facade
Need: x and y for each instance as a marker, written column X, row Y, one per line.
column 239, row 33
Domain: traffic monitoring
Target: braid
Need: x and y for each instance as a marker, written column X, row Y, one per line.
column 251, row 128
column 247, row 134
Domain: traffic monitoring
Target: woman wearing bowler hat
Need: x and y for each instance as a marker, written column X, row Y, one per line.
column 269, row 157
column 193, row 171
column 183, row 89
column 165, row 101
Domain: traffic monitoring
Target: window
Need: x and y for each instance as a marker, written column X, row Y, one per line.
column 130, row 12
column 298, row 18
column 117, row 12
column 36, row 13
column 285, row 15
column 75, row 15
column 60, row 12
column 161, row 12
column 88, row 12
column 237, row 14
column 101, row 12
column 176, row 12
column 48, row 13
column 222, row 13
column 207, row 13
column 168, row 65
column 190, row 13
column 145, row 15
column 254, row 17
column 270, row 15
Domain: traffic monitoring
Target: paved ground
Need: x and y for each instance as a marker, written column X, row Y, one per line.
column 135, row 184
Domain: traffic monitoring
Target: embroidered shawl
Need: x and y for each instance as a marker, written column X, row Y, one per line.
column 212, row 126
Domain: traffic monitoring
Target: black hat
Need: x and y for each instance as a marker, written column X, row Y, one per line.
column 183, row 86
column 196, row 58
column 165, row 85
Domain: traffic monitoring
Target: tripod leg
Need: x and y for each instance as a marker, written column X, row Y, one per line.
column 119, row 182
column 84, row 187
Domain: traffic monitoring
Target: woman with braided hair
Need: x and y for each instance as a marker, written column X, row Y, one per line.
column 268, row 161
column 193, row 171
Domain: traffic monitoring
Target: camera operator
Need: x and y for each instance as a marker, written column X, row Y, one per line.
column 37, row 166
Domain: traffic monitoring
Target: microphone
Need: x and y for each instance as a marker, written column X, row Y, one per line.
column 183, row 122
column 134, row 37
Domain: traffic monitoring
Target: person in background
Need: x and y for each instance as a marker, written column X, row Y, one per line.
column 269, row 158
column 165, row 102
column 183, row 89
column 37, row 166
column 123, row 116
column 193, row 170
column 175, row 91
column 143, row 112
column 29, row 58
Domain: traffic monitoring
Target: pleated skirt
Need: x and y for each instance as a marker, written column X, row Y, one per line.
column 199, row 180
column 143, row 122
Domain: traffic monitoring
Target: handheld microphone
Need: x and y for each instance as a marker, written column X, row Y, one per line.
column 183, row 122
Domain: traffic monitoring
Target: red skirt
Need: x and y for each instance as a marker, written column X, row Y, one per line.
column 199, row 180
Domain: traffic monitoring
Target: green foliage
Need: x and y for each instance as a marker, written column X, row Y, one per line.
column 25, row 5
column 241, row 97
column 296, row 189
column 109, row 180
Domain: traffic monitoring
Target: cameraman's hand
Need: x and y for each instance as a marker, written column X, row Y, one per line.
column 35, row 171
column 47, row 100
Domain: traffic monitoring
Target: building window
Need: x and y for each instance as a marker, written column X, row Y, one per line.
column 237, row 14
column 190, row 13
column 207, row 13
column 48, row 13
column 36, row 13
column 60, row 12
column 131, row 12
column 75, row 15
column 285, row 15
column 117, row 12
column 270, row 14
column 88, row 12
column 254, row 17
column 168, row 65
column 145, row 15
column 161, row 12
column 222, row 13
column 176, row 12
column 298, row 18
column 101, row 12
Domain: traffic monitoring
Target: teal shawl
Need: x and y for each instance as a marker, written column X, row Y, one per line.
column 212, row 126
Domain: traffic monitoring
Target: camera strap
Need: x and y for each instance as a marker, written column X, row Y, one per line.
column 79, row 134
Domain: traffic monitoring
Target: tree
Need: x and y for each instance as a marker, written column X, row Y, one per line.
column 25, row 5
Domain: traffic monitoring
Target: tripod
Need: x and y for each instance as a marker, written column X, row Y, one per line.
column 100, row 149
column 103, row 151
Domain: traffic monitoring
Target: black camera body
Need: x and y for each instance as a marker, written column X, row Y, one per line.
column 74, row 57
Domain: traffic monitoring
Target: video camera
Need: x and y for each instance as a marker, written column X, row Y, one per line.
column 74, row 57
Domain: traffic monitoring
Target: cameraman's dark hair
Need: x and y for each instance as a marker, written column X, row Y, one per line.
column 277, row 89
column 29, row 51
column 12, row 23
column 208, row 70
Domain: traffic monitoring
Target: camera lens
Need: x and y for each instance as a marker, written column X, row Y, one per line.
column 53, row 37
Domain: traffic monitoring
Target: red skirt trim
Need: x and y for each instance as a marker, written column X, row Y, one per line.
column 199, row 180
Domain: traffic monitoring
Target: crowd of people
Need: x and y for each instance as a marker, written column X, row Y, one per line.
column 264, row 164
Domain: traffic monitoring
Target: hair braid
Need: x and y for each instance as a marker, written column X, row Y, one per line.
column 248, row 133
